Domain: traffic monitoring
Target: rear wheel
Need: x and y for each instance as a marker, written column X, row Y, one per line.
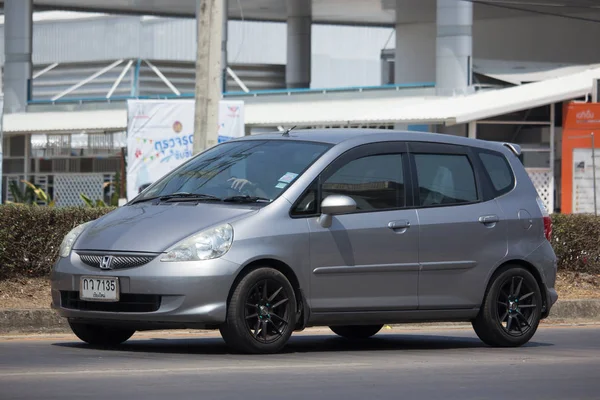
column 356, row 331
column 98, row 335
column 511, row 312
column 261, row 313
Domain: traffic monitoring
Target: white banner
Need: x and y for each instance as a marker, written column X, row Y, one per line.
column 231, row 120
column 583, row 181
column 160, row 136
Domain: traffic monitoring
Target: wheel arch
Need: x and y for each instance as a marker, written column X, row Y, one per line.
column 302, row 308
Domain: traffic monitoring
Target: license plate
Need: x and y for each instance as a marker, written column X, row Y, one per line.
column 96, row 288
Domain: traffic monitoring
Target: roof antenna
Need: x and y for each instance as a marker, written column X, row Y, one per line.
column 287, row 131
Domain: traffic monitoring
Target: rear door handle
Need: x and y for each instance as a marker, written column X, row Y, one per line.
column 489, row 219
column 401, row 224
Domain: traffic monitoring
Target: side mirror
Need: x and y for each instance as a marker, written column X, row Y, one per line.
column 334, row 205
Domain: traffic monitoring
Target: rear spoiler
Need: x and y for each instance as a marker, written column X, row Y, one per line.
column 515, row 148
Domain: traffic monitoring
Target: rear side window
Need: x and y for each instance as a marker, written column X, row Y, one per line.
column 499, row 172
column 445, row 179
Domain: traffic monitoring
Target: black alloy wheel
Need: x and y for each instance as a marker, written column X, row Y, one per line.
column 512, row 308
column 516, row 306
column 266, row 312
column 261, row 314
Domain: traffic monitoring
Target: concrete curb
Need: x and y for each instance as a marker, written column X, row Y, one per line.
column 576, row 309
column 46, row 321
column 31, row 321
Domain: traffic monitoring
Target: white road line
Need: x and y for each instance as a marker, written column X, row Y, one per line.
column 119, row 371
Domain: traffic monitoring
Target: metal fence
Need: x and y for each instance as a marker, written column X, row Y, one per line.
column 66, row 189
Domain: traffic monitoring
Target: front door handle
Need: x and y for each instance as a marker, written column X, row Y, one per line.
column 489, row 219
column 401, row 224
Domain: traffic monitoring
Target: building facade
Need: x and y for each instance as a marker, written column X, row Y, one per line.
column 411, row 65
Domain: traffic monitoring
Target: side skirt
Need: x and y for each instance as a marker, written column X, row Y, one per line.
column 390, row 317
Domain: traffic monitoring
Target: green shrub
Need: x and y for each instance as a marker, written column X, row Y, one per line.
column 30, row 236
column 576, row 242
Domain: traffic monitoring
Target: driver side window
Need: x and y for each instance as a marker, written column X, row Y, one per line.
column 375, row 183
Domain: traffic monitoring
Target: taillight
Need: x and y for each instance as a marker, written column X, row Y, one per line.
column 548, row 228
column 547, row 219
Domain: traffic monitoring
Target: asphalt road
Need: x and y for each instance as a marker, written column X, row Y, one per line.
column 560, row 363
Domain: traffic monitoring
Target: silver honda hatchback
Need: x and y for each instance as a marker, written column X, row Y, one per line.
column 352, row 229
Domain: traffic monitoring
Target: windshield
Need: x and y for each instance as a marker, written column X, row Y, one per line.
column 253, row 169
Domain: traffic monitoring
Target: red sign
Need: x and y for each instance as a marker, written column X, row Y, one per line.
column 582, row 116
column 580, row 120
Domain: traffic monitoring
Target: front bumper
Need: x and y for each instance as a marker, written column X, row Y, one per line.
column 187, row 294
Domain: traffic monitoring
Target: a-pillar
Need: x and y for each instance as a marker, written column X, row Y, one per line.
column 18, row 32
column 299, row 25
column 454, row 47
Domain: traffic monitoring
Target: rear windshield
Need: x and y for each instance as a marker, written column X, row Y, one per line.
column 266, row 166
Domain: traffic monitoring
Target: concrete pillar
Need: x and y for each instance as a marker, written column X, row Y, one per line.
column 472, row 129
column 27, row 163
column 18, row 33
column 414, row 60
column 454, row 47
column 299, row 24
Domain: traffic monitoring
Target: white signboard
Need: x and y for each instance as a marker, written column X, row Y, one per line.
column 160, row 136
column 583, row 181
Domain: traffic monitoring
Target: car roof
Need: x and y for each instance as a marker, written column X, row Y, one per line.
column 336, row 136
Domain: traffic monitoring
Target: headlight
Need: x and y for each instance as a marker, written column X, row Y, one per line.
column 70, row 238
column 206, row 245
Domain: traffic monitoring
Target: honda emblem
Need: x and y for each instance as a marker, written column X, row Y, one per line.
column 106, row 262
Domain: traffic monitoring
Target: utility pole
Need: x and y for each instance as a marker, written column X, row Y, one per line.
column 224, row 35
column 209, row 31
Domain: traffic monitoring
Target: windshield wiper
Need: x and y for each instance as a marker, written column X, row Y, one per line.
column 246, row 199
column 181, row 196
column 185, row 196
column 143, row 199
column 188, row 196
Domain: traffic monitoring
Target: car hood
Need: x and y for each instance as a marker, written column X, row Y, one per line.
column 154, row 228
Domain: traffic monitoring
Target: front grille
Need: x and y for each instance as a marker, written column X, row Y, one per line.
column 128, row 303
column 118, row 261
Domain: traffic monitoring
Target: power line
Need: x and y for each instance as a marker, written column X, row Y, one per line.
column 243, row 32
column 539, row 12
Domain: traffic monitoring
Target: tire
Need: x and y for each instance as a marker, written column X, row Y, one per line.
column 257, row 323
column 511, row 311
column 98, row 335
column 356, row 331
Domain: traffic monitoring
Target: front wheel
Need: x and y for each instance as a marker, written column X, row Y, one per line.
column 356, row 331
column 98, row 335
column 261, row 314
column 511, row 312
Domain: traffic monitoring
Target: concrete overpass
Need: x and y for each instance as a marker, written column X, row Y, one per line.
column 361, row 12
column 450, row 39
